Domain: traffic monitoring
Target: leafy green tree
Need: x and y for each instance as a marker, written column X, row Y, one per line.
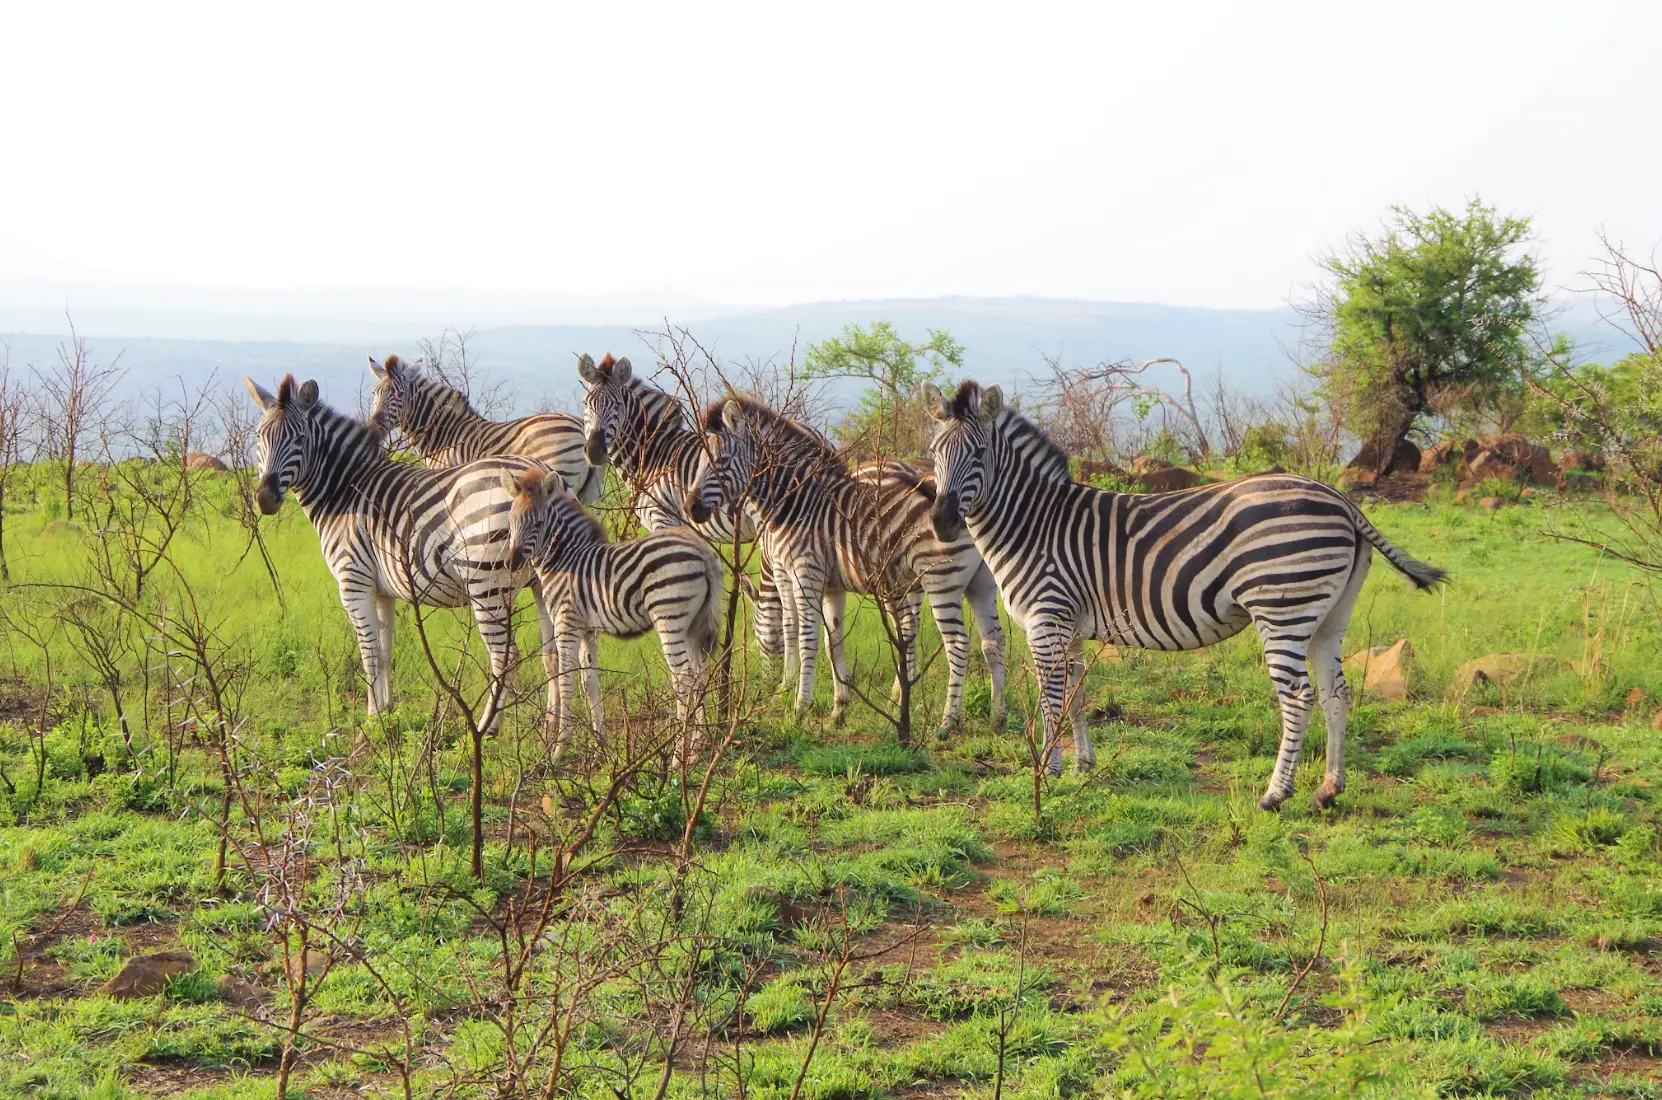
column 1429, row 315
column 890, row 419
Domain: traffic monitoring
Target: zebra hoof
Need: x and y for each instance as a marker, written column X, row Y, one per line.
column 1084, row 767
column 839, row 715
column 1055, row 769
column 997, row 718
column 1271, row 802
column 1326, row 795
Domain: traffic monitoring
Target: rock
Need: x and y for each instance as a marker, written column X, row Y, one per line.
column 1575, row 461
column 148, row 975
column 1357, row 478
column 1090, row 468
column 1656, row 720
column 196, row 460
column 1509, row 447
column 240, row 992
column 1405, row 459
column 1502, row 669
column 1461, row 496
column 1490, row 504
column 1450, row 454
column 316, row 964
column 1157, row 476
column 1542, row 470
column 1488, row 464
column 1381, row 671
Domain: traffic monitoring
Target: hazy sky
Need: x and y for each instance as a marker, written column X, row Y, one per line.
column 1188, row 153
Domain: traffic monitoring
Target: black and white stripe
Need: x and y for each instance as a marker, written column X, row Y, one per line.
column 1169, row 571
column 392, row 531
column 669, row 581
column 446, row 429
column 829, row 531
column 643, row 433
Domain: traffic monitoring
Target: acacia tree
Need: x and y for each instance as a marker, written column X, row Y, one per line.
column 1435, row 305
column 71, row 397
column 891, row 418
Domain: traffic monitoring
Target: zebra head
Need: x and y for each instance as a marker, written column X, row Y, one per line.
column 389, row 403
column 607, row 401
column 284, row 435
column 530, row 519
column 729, row 461
column 960, row 450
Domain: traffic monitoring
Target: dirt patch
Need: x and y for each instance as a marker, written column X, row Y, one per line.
column 169, row 1080
column 23, row 705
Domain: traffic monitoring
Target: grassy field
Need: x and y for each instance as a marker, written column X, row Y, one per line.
column 844, row 916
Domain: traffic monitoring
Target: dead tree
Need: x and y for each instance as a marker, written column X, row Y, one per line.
column 70, row 399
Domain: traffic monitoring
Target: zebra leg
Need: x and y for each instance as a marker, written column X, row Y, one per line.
column 807, row 599
column 566, row 645
column 1286, row 655
column 834, row 605
column 983, row 598
column 769, row 624
column 386, row 614
column 1327, row 664
column 949, row 619
column 591, row 683
column 1049, row 643
column 494, row 617
column 790, row 634
column 550, row 653
column 1084, row 753
column 362, row 608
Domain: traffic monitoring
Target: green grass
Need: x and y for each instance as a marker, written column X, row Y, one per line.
column 1490, row 875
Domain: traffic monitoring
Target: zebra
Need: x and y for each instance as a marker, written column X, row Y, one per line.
column 447, row 431
column 830, row 531
column 1170, row 571
column 643, row 433
column 392, row 531
column 669, row 580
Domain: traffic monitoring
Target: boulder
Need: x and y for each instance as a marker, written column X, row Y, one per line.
column 1357, row 477
column 1450, row 454
column 1090, row 467
column 1490, row 504
column 240, row 992
column 1157, row 476
column 1381, row 672
column 1541, row 469
column 1502, row 669
column 148, row 975
column 1489, row 464
column 196, row 460
column 1405, row 459
column 1510, row 447
column 1574, row 461
column 313, row 964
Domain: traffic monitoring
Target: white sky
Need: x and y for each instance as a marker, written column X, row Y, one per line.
column 1195, row 154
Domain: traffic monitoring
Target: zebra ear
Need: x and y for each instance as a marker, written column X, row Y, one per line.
column 992, row 402
column 732, row 416
column 621, row 370
column 307, row 397
column 939, row 407
column 585, row 369
column 262, row 397
column 376, row 368
column 510, row 484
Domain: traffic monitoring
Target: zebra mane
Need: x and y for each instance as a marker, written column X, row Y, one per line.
column 351, row 431
column 1041, row 452
column 662, row 410
column 443, row 395
column 796, row 439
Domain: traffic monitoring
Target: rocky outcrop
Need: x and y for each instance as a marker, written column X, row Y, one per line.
column 1158, row 476
column 196, row 460
column 1381, row 672
column 148, row 975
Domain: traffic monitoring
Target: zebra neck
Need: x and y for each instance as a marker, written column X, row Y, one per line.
column 438, row 424
column 341, row 455
column 653, row 451
column 1015, row 482
column 572, row 536
column 786, row 491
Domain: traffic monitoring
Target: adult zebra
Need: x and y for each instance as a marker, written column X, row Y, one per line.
column 1166, row 571
column 643, row 433
column 830, row 531
column 668, row 580
column 447, row 430
column 393, row 531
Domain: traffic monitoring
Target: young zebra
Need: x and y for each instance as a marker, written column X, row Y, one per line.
column 448, row 432
column 393, row 531
column 1170, row 571
column 643, row 433
column 830, row 531
column 668, row 580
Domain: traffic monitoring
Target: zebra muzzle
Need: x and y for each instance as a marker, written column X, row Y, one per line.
column 697, row 508
column 594, row 448
column 945, row 517
column 268, row 497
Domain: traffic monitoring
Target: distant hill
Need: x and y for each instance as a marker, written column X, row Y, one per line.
column 1006, row 340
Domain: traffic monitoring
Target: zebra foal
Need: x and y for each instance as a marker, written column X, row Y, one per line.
column 392, row 531
column 446, row 429
column 1170, row 571
column 643, row 433
column 829, row 531
column 669, row 580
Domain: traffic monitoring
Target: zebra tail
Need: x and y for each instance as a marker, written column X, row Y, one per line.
column 706, row 627
column 1424, row 576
